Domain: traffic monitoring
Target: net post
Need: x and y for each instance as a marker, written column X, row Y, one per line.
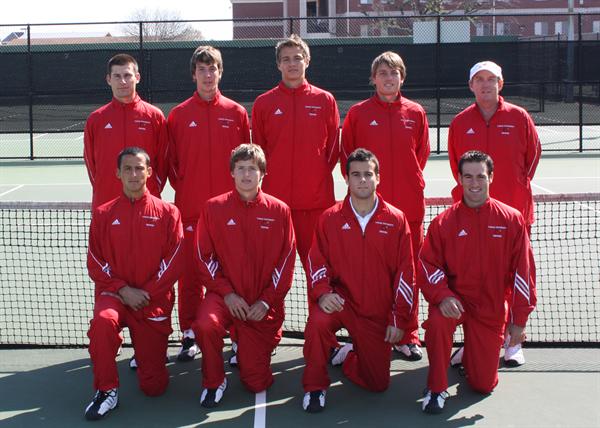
column 30, row 83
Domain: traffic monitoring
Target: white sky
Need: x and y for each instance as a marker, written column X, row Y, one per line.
column 65, row 11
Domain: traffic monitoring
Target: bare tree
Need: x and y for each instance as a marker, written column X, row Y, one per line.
column 161, row 24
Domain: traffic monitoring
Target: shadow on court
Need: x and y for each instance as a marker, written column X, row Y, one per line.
column 52, row 387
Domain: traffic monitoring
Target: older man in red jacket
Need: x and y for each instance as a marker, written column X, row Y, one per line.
column 507, row 133
column 133, row 259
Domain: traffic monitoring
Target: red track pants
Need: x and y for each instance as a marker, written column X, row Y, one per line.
column 481, row 354
column 256, row 341
column 150, row 339
column 368, row 366
column 190, row 291
column 305, row 222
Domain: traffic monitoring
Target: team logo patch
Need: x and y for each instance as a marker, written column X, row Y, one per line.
column 471, row 131
column 462, row 233
column 225, row 122
column 231, row 222
column 312, row 110
column 278, row 112
column 374, row 123
column 192, row 124
column 346, row 227
column 116, row 222
column 108, row 126
column 265, row 222
column 408, row 123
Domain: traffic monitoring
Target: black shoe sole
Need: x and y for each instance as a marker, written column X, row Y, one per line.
column 184, row 358
column 512, row 364
column 314, row 409
column 433, row 411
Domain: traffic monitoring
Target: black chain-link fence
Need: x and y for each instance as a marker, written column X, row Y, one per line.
column 53, row 76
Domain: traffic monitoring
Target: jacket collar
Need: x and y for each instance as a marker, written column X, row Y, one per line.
column 115, row 102
column 396, row 103
column 304, row 87
column 213, row 102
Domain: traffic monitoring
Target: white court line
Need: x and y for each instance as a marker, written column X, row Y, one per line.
column 260, row 409
column 12, row 190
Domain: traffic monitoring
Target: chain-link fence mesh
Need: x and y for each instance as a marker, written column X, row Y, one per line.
column 53, row 76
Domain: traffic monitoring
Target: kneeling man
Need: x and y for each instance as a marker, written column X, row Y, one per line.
column 245, row 250
column 361, row 278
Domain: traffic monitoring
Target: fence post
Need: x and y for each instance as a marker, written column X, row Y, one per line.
column 579, row 55
column 30, row 83
column 438, row 112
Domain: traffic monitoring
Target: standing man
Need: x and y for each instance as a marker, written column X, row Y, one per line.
column 203, row 130
column 505, row 132
column 297, row 125
column 245, row 251
column 133, row 259
column 361, row 272
column 125, row 121
column 476, row 258
column 396, row 130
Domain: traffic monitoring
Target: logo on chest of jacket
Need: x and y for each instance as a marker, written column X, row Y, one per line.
column 408, row 123
column 346, row 227
column 373, row 123
column 313, row 110
column 278, row 112
column 116, row 222
column 142, row 124
column 225, row 122
column 265, row 222
column 150, row 220
column 190, row 228
column 471, row 131
column 505, row 129
column 192, row 124
column 108, row 126
column 497, row 231
column 462, row 233
column 384, row 227
column 231, row 222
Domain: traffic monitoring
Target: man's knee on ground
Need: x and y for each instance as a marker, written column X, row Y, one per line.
column 155, row 386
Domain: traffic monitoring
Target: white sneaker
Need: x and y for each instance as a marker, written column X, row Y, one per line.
column 314, row 401
column 338, row 355
column 409, row 352
column 513, row 356
column 211, row 397
column 457, row 356
column 103, row 402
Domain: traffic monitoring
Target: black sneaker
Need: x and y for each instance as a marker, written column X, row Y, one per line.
column 314, row 401
column 210, row 397
column 409, row 352
column 433, row 402
column 103, row 402
column 188, row 351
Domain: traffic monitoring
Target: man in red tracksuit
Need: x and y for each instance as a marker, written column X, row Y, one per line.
column 396, row 130
column 203, row 130
column 245, row 251
column 125, row 121
column 506, row 133
column 361, row 272
column 476, row 258
column 297, row 125
column 133, row 259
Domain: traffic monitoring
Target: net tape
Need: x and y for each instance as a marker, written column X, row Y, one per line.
column 46, row 296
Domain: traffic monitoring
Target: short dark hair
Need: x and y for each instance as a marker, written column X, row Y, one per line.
column 362, row 155
column 121, row 59
column 294, row 41
column 245, row 152
column 132, row 151
column 206, row 55
column 475, row 156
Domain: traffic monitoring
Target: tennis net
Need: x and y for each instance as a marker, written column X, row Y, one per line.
column 46, row 296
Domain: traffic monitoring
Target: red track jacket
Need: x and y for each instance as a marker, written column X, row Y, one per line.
column 398, row 134
column 247, row 248
column 299, row 131
column 109, row 130
column 482, row 256
column 136, row 244
column 512, row 142
column 202, row 135
column 372, row 272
